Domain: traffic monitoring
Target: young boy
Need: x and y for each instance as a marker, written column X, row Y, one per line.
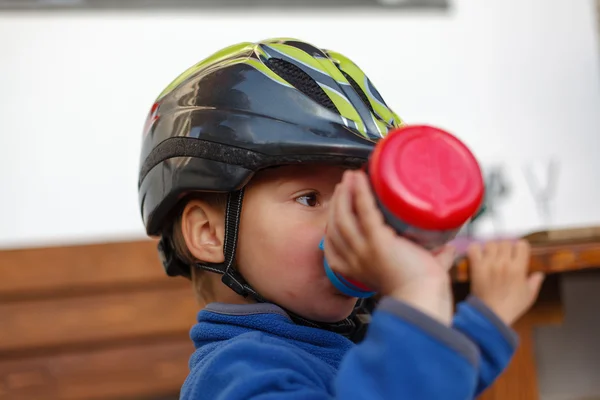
column 280, row 127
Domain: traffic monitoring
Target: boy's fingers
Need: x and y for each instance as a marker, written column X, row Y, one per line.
column 519, row 261
column 490, row 250
column 522, row 251
column 535, row 282
column 446, row 257
column 345, row 216
column 474, row 252
column 477, row 266
column 333, row 235
column 333, row 254
column 505, row 249
column 369, row 217
column 334, row 239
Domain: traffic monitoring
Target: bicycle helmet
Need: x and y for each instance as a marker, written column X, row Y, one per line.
column 248, row 107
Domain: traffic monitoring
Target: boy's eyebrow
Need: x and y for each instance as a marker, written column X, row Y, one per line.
column 294, row 177
column 284, row 181
column 280, row 182
column 301, row 179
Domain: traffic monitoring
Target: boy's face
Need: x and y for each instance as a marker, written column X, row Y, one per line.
column 283, row 220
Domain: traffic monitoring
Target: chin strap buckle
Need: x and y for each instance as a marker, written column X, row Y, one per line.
column 233, row 280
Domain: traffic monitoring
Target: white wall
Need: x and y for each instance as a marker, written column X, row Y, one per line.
column 517, row 80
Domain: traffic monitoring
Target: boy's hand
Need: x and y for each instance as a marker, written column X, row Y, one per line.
column 361, row 246
column 500, row 278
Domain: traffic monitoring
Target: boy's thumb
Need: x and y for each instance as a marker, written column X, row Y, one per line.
column 447, row 257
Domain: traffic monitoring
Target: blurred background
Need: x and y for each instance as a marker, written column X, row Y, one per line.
column 517, row 80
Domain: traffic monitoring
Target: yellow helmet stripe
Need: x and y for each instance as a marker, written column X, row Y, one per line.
column 345, row 108
column 227, row 53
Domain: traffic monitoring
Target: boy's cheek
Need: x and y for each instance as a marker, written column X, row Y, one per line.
column 296, row 256
column 281, row 242
column 297, row 246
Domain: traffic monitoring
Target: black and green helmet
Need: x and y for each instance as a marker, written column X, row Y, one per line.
column 247, row 107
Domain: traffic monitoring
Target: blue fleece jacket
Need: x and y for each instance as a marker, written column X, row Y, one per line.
column 255, row 352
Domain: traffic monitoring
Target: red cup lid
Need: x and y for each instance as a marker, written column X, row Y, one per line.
column 426, row 177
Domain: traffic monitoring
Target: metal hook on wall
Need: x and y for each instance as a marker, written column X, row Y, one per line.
column 543, row 192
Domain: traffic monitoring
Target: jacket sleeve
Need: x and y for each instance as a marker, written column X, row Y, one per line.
column 496, row 341
column 405, row 355
column 408, row 355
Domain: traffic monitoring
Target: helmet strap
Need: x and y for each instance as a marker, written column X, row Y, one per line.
column 230, row 276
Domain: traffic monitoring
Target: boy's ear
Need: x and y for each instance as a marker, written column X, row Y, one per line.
column 202, row 227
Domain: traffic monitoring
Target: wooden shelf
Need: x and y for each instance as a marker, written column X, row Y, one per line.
column 554, row 252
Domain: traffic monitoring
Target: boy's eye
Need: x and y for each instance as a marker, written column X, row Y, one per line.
column 308, row 200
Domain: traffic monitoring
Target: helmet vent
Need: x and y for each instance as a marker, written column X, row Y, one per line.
column 301, row 81
column 361, row 93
